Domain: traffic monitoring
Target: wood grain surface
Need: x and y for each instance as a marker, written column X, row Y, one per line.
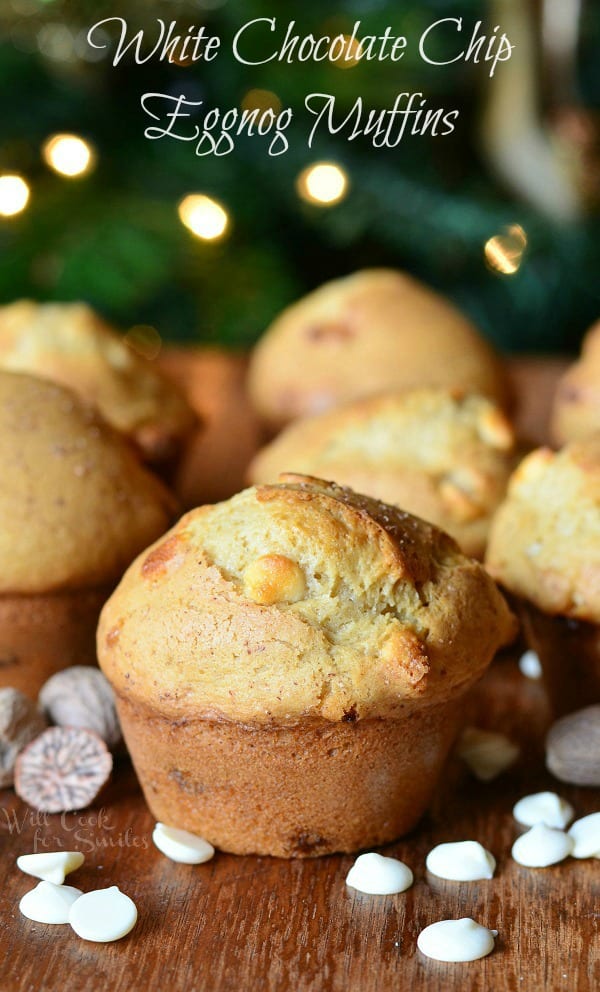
column 263, row 924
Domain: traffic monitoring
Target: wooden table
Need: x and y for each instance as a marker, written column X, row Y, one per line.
column 262, row 924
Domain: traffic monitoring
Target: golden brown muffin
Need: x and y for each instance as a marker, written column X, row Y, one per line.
column 215, row 458
column 438, row 454
column 290, row 667
column 69, row 344
column 544, row 548
column 371, row 332
column 576, row 411
column 76, row 507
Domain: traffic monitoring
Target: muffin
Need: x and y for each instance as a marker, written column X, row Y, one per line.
column 215, row 458
column 69, row 344
column 576, row 410
column 291, row 667
column 441, row 455
column 371, row 332
column 76, row 506
column 544, row 548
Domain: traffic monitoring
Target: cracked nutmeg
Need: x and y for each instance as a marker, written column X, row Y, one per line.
column 63, row 769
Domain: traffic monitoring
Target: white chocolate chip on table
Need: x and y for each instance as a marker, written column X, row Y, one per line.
column 379, row 876
column 103, row 915
column 585, row 834
column 486, row 753
column 541, row 847
column 543, row 807
column 530, row 665
column 462, row 861
column 181, row 846
column 456, row 940
column 49, row 903
column 51, row 866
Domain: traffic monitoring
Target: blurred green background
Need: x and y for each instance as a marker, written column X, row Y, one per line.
column 502, row 215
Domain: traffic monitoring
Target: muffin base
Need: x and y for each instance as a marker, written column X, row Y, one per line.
column 569, row 653
column 42, row 634
column 300, row 791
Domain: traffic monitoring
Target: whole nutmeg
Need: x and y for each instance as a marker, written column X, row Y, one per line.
column 81, row 697
column 20, row 721
column 573, row 747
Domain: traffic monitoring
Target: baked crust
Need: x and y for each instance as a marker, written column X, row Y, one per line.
column 374, row 331
column 544, row 543
column 70, row 344
column 76, row 505
column 290, row 791
column 390, row 611
column 42, row 634
column 444, row 456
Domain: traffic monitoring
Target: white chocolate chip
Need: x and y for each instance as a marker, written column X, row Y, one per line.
column 463, row 861
column 181, row 846
column 51, row 866
column 530, row 665
column 456, row 940
column 541, row 847
column 49, row 903
column 379, row 876
column 585, row 834
column 103, row 915
column 486, row 752
column 543, row 807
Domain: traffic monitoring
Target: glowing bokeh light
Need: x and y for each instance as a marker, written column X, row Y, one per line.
column 203, row 216
column 504, row 251
column 324, row 183
column 14, row 194
column 68, row 155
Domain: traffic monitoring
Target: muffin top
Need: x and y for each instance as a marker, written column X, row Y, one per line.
column 76, row 505
column 576, row 409
column 299, row 600
column 544, row 542
column 68, row 343
column 441, row 455
column 375, row 331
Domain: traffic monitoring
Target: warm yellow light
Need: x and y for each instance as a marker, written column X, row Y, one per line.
column 350, row 57
column 203, row 216
column 324, row 182
column 68, row 154
column 14, row 194
column 261, row 100
column 504, row 252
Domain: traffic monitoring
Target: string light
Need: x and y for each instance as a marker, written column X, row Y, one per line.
column 504, row 251
column 14, row 194
column 324, row 183
column 68, row 154
column 203, row 216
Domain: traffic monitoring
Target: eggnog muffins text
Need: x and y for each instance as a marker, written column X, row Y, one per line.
column 290, row 667
column 70, row 344
column 544, row 548
column 375, row 331
column 441, row 455
column 76, row 506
